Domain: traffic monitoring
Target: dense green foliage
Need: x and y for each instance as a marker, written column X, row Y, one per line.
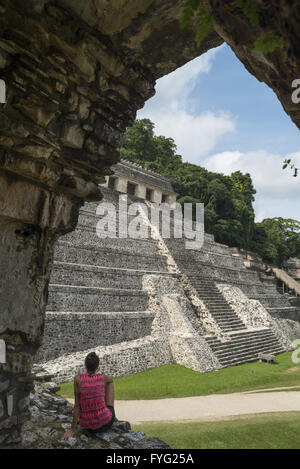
column 204, row 19
column 229, row 213
column 266, row 42
column 260, row 431
column 228, row 200
column 176, row 381
column 277, row 239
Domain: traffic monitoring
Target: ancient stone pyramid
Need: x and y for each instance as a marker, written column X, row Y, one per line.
column 141, row 303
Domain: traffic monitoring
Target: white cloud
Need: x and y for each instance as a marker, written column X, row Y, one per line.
column 171, row 109
column 173, row 90
column 194, row 136
column 278, row 192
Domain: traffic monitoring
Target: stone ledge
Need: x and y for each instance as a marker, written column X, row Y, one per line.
column 212, row 254
column 91, row 316
column 95, row 329
column 243, row 283
column 283, row 308
column 258, row 297
column 251, row 272
column 109, row 270
column 106, row 250
column 94, row 290
column 116, row 360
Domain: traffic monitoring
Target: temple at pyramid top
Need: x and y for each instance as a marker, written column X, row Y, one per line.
column 131, row 178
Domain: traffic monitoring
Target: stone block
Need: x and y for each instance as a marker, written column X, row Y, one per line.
column 72, row 135
column 51, row 387
column 121, row 426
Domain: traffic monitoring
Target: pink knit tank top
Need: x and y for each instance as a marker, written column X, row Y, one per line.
column 93, row 410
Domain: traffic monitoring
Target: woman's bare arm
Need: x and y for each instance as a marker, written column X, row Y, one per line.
column 76, row 410
column 109, row 391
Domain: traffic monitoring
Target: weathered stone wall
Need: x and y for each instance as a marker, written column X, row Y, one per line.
column 251, row 259
column 143, row 179
column 115, row 360
column 176, row 335
column 29, row 225
column 176, row 322
column 75, row 74
column 142, row 175
column 293, row 267
column 67, row 333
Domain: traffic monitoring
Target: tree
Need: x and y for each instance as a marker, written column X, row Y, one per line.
column 277, row 239
column 243, row 196
column 138, row 142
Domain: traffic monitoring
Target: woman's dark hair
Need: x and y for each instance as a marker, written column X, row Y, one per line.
column 91, row 361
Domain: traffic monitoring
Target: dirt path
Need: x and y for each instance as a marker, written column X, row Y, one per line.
column 213, row 407
column 281, row 388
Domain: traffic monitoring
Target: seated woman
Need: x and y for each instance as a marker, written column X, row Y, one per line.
column 94, row 399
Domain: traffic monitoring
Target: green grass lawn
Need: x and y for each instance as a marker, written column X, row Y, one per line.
column 266, row 431
column 176, row 381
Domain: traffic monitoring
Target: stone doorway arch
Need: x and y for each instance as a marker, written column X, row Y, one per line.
column 75, row 75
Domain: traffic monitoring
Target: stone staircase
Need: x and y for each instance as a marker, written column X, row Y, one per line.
column 220, row 310
column 244, row 346
column 214, row 264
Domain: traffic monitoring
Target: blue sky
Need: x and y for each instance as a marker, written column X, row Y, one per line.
column 224, row 119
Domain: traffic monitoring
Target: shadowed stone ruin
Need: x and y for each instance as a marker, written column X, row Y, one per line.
column 293, row 267
column 75, row 74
